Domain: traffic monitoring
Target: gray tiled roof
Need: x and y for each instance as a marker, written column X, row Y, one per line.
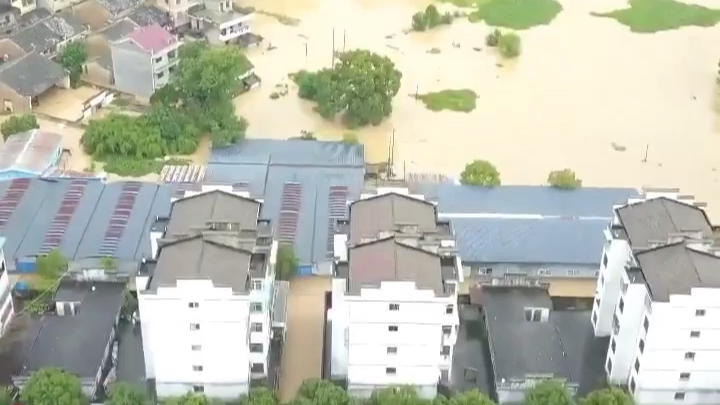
column 28, row 225
column 386, row 212
column 118, row 30
column 31, row 75
column 149, row 15
column 44, row 35
column 117, row 7
column 316, row 166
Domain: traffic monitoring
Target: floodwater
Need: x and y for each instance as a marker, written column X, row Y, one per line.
column 583, row 88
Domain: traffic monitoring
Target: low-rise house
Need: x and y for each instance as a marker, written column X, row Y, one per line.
column 8, row 17
column 77, row 336
column 29, row 154
column 144, row 61
column 221, row 24
column 23, row 6
column 212, row 292
column 98, row 67
column 7, row 309
column 25, row 79
column 48, row 36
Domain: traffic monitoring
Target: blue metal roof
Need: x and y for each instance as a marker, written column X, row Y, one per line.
column 292, row 152
column 537, row 200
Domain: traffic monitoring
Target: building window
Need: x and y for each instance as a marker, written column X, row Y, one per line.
column 394, row 307
column 257, row 285
column 256, row 348
column 605, row 260
column 632, row 385
column 195, row 348
column 158, row 60
column 449, row 309
column 257, row 368
column 197, row 368
column 198, row 388
column 392, row 350
column 572, row 272
column 684, row 376
column 390, row 371
column 256, row 327
column 193, row 305
column 621, row 305
column 392, row 328
column 444, row 375
column 194, row 326
column 445, row 351
column 543, row 272
column 641, row 345
column 160, row 75
column 612, row 345
column 695, row 334
column 699, row 312
column 255, row 307
column 446, row 330
column 533, row 314
column 594, row 318
column 608, row 366
column 615, row 324
column 637, row 365
column 679, row 396
column 689, row 355
column 646, row 324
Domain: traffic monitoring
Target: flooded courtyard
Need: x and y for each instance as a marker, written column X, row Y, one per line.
column 586, row 94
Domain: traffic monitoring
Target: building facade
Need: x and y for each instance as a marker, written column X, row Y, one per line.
column 206, row 311
column 394, row 313
column 7, row 310
column 144, row 61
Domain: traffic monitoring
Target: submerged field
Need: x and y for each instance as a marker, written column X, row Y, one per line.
column 584, row 89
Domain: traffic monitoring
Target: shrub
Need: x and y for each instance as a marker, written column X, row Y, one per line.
column 430, row 18
column 509, row 45
column 17, row 124
column 564, row 179
column 493, row 38
column 480, row 173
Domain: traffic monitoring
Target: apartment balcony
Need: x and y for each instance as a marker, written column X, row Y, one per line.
column 233, row 31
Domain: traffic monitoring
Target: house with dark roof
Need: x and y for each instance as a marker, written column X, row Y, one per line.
column 49, row 35
column 221, row 23
column 24, row 80
column 144, row 60
column 29, row 154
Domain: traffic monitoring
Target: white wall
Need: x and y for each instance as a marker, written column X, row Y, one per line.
column 223, row 337
column 6, row 304
column 630, row 319
column 612, row 269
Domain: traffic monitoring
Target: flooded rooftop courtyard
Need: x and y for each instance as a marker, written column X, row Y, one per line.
column 618, row 108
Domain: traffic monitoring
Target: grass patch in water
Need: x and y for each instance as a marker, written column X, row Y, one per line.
column 514, row 14
column 453, row 100
column 650, row 16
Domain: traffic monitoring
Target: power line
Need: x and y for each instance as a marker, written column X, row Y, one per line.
column 43, row 293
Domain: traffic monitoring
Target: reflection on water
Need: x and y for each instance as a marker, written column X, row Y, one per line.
column 581, row 84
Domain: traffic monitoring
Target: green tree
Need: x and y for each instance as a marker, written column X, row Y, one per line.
column 430, row 18
column 120, row 135
column 52, row 386
column 51, row 266
column 323, row 392
column 480, row 173
column 395, row 396
column 608, row 396
column 259, row 396
column 18, row 123
column 360, row 87
column 564, row 179
column 124, row 394
column 108, row 263
column 6, row 396
column 509, row 45
column 191, row 399
column 547, row 393
column 286, row 263
column 471, row 397
column 178, row 132
column 72, row 58
column 493, row 38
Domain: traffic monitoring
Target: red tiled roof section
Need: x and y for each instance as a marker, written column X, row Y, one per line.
column 152, row 38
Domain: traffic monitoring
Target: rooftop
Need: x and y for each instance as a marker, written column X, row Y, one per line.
column 656, row 219
column 31, row 75
column 195, row 212
column 552, row 226
column 44, row 35
column 149, row 15
column 83, row 218
column 31, row 152
column 152, row 39
column 202, row 258
column 77, row 343
column 676, row 269
column 119, row 30
column 389, row 212
column 387, row 259
column 118, row 7
column 304, row 185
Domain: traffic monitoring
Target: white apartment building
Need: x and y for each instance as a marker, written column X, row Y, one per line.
column 7, row 310
column 394, row 301
column 657, row 300
column 207, row 309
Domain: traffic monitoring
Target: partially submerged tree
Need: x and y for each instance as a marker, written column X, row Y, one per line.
column 286, row 263
column 17, row 124
column 564, row 179
column 72, row 58
column 51, row 266
column 480, row 173
column 52, row 386
column 430, row 18
column 360, row 87
column 509, row 45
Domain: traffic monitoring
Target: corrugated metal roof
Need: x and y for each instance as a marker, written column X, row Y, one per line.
column 290, row 152
column 31, row 152
column 183, row 173
column 27, row 227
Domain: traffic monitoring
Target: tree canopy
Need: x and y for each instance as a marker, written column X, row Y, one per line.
column 51, row 266
column 480, row 173
column 72, row 58
column 430, row 18
column 124, row 394
column 18, row 123
column 52, row 386
column 564, row 179
column 287, row 263
column 359, row 87
column 547, row 393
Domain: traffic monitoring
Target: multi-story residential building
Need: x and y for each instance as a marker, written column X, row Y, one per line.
column 220, row 23
column 657, row 296
column 394, row 302
column 144, row 61
column 7, row 310
column 206, row 309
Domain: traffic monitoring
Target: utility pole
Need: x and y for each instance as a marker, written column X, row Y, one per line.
column 647, row 146
column 344, row 34
column 333, row 49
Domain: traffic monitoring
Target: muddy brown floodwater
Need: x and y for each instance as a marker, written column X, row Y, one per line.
column 581, row 85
